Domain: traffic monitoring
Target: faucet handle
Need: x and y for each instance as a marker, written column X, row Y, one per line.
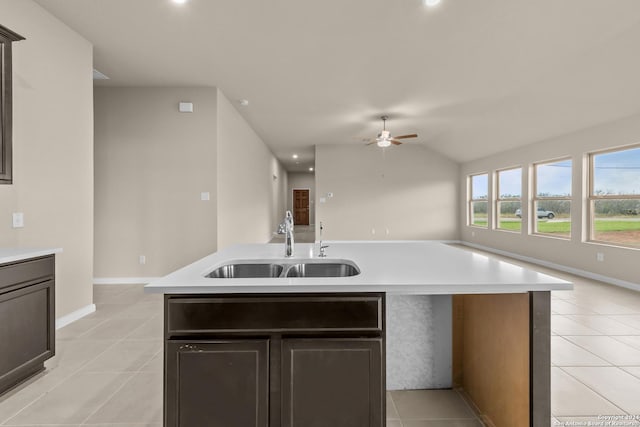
column 322, row 248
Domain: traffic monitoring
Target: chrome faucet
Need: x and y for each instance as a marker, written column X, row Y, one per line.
column 288, row 235
column 322, row 247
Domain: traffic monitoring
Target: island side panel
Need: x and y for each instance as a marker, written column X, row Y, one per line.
column 418, row 342
column 491, row 355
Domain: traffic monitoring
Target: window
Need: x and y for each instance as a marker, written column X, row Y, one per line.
column 509, row 200
column 551, row 210
column 6, row 37
column 478, row 202
column 614, row 197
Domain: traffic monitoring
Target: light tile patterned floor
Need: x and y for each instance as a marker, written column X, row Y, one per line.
column 107, row 370
column 595, row 353
column 108, row 367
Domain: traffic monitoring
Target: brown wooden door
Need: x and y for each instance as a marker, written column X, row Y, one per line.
column 332, row 382
column 217, row 384
column 301, row 207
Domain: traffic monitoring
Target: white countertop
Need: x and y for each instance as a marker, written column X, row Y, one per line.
column 18, row 254
column 408, row 267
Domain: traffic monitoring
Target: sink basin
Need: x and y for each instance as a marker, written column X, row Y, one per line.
column 245, row 271
column 324, row 269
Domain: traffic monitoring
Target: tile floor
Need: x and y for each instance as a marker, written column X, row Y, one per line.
column 595, row 353
column 108, row 366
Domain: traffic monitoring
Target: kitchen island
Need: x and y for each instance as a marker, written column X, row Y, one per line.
column 305, row 351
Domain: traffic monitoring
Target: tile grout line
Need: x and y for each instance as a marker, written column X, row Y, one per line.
column 595, row 391
column 76, row 371
column 476, row 416
column 136, row 373
column 127, row 381
column 564, row 337
column 600, row 357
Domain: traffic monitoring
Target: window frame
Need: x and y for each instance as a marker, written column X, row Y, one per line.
column 591, row 198
column 535, row 199
column 471, row 200
column 498, row 198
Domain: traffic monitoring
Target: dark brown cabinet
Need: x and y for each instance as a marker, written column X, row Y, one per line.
column 274, row 360
column 27, row 319
column 218, row 384
column 328, row 382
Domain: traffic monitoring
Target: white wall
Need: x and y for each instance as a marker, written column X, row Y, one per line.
column 251, row 182
column 152, row 162
column 411, row 191
column 302, row 180
column 53, row 148
column 620, row 263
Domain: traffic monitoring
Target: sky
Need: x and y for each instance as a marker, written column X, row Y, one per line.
column 618, row 172
column 614, row 173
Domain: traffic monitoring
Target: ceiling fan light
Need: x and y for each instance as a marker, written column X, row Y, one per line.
column 383, row 143
column 385, row 134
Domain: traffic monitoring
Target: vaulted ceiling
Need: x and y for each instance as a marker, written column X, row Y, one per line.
column 471, row 77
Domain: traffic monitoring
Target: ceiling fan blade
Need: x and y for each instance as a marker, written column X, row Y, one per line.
column 394, row 142
column 413, row 135
column 372, row 142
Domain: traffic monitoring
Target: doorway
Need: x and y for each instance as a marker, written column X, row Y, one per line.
column 301, row 206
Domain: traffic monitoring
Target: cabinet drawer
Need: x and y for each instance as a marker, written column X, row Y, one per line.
column 33, row 270
column 346, row 312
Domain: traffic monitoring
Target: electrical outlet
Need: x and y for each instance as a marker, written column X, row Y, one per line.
column 373, row 231
column 205, row 196
column 600, row 256
column 473, row 234
column 142, row 259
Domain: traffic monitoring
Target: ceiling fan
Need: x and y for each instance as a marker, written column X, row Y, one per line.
column 384, row 138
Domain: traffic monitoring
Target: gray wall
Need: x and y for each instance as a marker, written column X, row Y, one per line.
column 152, row 162
column 619, row 263
column 251, row 182
column 406, row 192
column 53, row 148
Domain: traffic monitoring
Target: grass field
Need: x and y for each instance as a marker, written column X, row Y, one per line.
column 564, row 227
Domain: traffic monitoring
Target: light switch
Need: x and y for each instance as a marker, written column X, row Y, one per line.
column 205, row 196
column 18, row 220
column 323, row 200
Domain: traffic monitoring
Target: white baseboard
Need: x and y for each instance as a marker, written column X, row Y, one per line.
column 75, row 315
column 571, row 270
column 123, row 280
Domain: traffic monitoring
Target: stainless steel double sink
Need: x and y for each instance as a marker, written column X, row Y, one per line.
column 246, row 269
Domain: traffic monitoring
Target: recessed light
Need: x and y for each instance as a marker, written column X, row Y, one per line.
column 179, row 1
column 244, row 102
column 295, row 156
column 310, row 169
column 431, row 3
column 97, row 75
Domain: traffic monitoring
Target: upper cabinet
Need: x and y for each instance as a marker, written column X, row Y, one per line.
column 6, row 111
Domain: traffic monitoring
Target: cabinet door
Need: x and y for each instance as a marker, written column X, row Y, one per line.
column 27, row 332
column 216, row 383
column 332, row 382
